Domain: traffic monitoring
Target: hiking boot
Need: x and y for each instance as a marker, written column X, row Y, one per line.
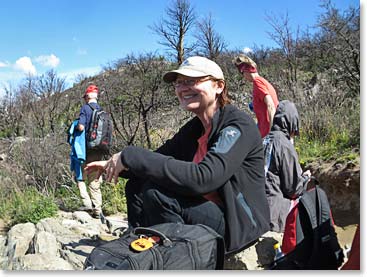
column 99, row 215
column 85, row 209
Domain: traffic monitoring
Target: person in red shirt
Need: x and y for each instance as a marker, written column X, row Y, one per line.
column 265, row 100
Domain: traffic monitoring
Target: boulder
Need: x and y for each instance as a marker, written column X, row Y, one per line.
column 40, row 262
column 45, row 243
column 19, row 240
column 257, row 257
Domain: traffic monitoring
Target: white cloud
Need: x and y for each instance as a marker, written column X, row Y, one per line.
column 50, row 60
column 247, row 50
column 25, row 64
column 4, row 64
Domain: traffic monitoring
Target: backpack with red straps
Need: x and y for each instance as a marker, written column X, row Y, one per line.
column 310, row 240
column 99, row 136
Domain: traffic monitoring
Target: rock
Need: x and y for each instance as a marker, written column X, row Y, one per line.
column 3, row 157
column 76, row 260
column 116, row 225
column 82, row 216
column 60, row 243
column 3, row 253
column 2, row 246
column 19, row 240
column 45, row 243
column 258, row 256
column 40, row 262
column 89, row 230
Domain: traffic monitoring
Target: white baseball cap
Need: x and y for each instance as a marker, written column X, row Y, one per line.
column 195, row 67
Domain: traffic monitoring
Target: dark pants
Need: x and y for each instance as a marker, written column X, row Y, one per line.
column 152, row 205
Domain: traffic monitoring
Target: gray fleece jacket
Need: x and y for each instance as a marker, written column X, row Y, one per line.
column 283, row 173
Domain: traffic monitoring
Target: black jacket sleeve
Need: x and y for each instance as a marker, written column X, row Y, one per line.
column 185, row 177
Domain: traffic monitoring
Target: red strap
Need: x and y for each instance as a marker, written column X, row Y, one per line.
column 290, row 233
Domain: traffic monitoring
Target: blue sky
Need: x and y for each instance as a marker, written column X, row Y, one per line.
column 81, row 36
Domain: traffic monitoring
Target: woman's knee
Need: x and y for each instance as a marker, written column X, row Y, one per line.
column 156, row 201
column 151, row 198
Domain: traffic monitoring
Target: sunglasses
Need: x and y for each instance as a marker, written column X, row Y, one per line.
column 191, row 82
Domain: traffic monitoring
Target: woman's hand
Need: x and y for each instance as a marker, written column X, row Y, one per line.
column 307, row 173
column 96, row 167
column 112, row 167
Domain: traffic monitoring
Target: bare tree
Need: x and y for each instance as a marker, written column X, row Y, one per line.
column 46, row 91
column 11, row 113
column 288, row 41
column 209, row 42
column 133, row 98
column 340, row 40
column 173, row 29
column 80, row 77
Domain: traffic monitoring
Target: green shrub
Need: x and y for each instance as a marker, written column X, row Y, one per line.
column 68, row 197
column 6, row 133
column 113, row 197
column 114, row 200
column 337, row 148
column 28, row 206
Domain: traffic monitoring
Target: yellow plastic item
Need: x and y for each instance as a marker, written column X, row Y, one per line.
column 141, row 244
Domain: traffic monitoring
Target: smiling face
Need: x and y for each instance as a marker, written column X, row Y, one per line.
column 198, row 95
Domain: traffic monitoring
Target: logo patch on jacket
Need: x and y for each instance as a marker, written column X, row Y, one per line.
column 227, row 138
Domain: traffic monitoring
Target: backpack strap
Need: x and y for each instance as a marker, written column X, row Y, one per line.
column 326, row 230
column 94, row 109
column 308, row 202
column 149, row 231
column 93, row 119
column 268, row 149
column 90, row 106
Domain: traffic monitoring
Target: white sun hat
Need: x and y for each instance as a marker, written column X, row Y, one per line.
column 195, row 67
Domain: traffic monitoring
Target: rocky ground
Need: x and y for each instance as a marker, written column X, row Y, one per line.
column 60, row 243
column 64, row 242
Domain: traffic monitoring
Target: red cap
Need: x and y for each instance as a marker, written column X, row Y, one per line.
column 91, row 88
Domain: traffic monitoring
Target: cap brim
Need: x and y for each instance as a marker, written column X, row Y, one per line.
column 171, row 76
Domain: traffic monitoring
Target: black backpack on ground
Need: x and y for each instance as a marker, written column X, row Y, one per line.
column 166, row 246
column 309, row 240
column 99, row 136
